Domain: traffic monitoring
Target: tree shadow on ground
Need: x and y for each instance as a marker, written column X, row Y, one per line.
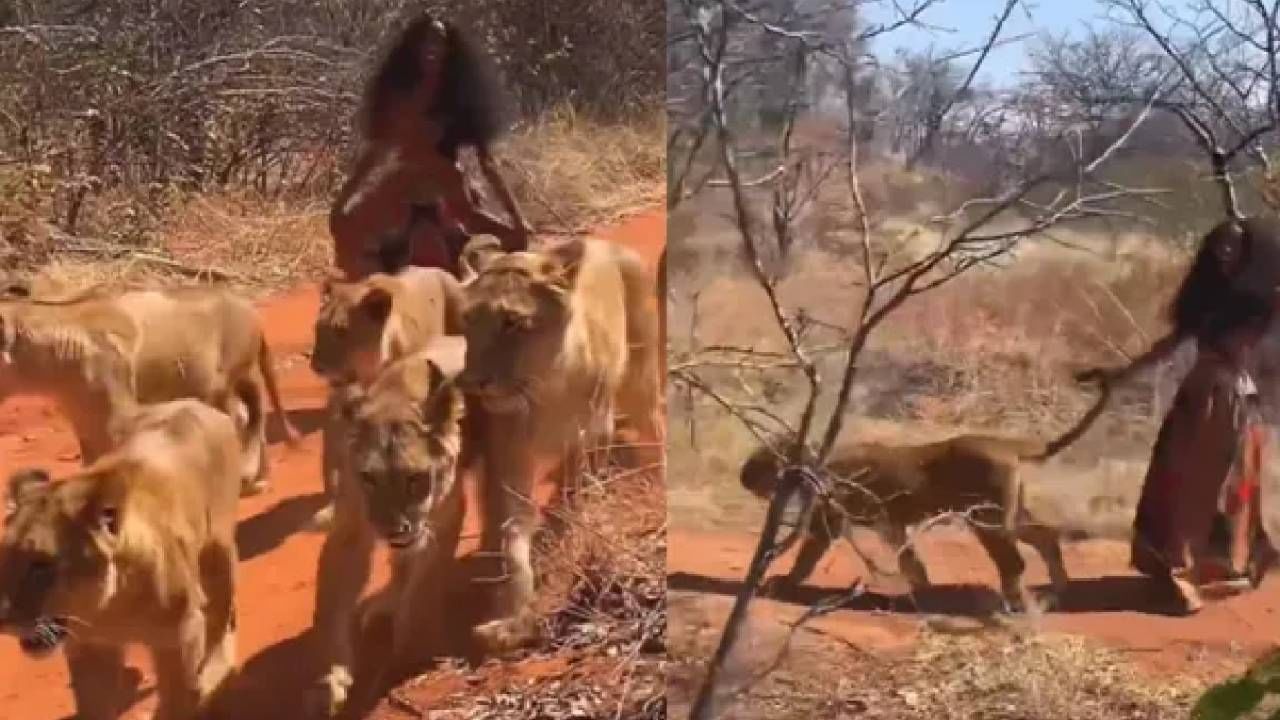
column 1120, row 593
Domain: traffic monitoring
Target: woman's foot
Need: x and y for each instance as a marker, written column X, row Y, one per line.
column 1186, row 596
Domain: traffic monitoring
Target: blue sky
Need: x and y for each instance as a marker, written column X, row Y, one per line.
column 962, row 24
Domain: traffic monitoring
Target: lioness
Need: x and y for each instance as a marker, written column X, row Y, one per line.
column 363, row 325
column 891, row 488
column 399, row 449
column 556, row 339
column 138, row 547
column 366, row 324
column 160, row 345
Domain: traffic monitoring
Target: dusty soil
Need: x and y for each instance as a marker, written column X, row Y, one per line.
column 1106, row 603
column 278, row 560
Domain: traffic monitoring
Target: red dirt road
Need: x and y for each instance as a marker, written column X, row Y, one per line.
column 278, row 562
column 1106, row 602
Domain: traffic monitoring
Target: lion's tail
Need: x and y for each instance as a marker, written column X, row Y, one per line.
column 268, row 370
column 642, row 386
column 1057, row 445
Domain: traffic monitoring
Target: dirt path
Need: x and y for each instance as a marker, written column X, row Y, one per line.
column 1106, row 602
column 278, row 563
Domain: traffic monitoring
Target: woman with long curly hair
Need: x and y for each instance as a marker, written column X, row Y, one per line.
column 1202, row 484
column 434, row 93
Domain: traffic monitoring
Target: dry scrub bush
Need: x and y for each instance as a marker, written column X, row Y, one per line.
column 601, row 562
column 1002, row 340
column 113, row 115
column 577, row 172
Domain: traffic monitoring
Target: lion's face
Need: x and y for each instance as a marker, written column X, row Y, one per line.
column 348, row 330
column 515, row 318
column 55, row 567
column 404, row 438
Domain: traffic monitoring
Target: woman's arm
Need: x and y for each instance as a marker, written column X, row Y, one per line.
column 1159, row 350
column 489, row 166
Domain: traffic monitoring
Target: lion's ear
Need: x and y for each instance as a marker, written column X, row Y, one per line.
column 376, row 304
column 563, row 261
column 477, row 254
column 23, row 484
column 444, row 406
column 94, row 500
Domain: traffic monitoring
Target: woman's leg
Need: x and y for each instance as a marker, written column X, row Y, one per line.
column 1242, row 507
column 1180, row 491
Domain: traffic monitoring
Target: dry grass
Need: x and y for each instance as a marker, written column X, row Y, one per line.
column 945, row 676
column 992, row 351
column 572, row 173
column 263, row 242
column 569, row 173
column 602, row 568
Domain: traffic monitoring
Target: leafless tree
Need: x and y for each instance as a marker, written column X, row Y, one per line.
column 717, row 142
column 1220, row 56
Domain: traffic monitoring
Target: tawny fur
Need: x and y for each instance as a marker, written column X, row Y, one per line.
column 557, row 342
column 894, row 487
column 143, row 550
column 97, row 352
column 363, row 326
column 399, row 444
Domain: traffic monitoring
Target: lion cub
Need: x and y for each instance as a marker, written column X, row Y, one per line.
column 891, row 488
column 400, row 441
column 97, row 353
column 138, row 547
column 556, row 341
column 364, row 325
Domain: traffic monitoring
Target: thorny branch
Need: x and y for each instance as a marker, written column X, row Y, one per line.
column 967, row 238
column 926, row 145
column 1218, row 107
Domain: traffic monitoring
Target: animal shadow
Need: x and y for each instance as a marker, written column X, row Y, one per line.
column 467, row 605
column 1090, row 595
column 271, row 684
column 1116, row 594
column 265, row 531
column 131, row 691
column 958, row 600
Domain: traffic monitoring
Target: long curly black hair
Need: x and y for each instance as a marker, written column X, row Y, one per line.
column 1212, row 302
column 470, row 104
